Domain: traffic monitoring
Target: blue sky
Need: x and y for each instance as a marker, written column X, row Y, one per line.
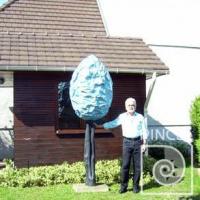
column 2, row 1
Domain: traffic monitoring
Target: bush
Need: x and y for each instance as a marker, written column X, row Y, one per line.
column 195, row 120
column 182, row 146
column 107, row 171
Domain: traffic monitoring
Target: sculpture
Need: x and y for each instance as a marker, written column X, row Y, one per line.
column 91, row 97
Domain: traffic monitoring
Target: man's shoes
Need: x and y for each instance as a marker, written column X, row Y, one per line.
column 136, row 189
column 121, row 191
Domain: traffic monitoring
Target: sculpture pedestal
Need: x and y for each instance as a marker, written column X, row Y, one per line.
column 85, row 188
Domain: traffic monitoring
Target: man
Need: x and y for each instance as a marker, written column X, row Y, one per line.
column 134, row 140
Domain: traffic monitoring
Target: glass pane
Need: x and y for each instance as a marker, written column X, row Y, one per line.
column 67, row 118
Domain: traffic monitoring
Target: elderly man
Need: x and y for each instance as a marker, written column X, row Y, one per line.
column 134, row 140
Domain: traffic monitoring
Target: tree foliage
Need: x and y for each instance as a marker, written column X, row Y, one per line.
column 195, row 119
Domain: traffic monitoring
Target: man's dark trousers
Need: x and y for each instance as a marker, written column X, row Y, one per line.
column 131, row 149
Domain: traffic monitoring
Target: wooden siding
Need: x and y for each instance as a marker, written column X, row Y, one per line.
column 35, row 107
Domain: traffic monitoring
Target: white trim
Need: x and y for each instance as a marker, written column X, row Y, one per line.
column 103, row 18
column 146, row 71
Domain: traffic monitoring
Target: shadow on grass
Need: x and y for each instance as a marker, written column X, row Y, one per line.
column 195, row 197
column 154, row 184
column 151, row 184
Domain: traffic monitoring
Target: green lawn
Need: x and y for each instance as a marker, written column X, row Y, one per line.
column 65, row 192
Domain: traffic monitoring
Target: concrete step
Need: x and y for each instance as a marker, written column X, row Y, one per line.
column 85, row 188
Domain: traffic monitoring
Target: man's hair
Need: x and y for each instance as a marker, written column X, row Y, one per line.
column 130, row 99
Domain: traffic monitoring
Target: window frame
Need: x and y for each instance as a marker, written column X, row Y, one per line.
column 81, row 130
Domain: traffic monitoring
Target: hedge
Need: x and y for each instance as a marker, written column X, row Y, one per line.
column 107, row 171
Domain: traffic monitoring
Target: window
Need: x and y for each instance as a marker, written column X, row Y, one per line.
column 67, row 120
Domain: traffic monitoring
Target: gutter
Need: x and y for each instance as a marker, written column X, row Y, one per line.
column 174, row 46
column 68, row 69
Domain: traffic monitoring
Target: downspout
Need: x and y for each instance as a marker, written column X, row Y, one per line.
column 148, row 98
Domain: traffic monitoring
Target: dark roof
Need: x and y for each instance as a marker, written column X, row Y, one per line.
column 55, row 35
column 64, row 52
column 52, row 16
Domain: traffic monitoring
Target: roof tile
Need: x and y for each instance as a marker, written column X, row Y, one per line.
column 67, row 52
column 55, row 35
column 52, row 16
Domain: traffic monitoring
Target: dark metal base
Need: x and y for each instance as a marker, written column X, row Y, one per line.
column 89, row 154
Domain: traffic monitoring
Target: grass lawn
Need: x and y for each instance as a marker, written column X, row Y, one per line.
column 65, row 192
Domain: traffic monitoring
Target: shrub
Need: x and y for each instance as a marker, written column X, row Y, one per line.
column 148, row 165
column 195, row 120
column 182, row 146
column 107, row 171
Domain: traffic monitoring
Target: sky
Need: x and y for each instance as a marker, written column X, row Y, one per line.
column 156, row 21
column 2, row 1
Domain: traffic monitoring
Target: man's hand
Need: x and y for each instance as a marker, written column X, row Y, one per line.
column 143, row 148
column 98, row 126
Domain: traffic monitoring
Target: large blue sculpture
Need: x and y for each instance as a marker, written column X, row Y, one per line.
column 91, row 97
column 91, row 89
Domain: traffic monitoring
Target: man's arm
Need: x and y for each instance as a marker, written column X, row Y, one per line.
column 144, row 131
column 144, row 135
column 112, row 124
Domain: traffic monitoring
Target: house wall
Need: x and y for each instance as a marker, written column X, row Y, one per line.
column 169, row 107
column 6, row 116
column 6, row 123
column 35, row 110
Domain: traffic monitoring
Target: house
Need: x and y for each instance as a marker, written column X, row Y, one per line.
column 42, row 42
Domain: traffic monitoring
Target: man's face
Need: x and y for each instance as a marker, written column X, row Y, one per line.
column 130, row 107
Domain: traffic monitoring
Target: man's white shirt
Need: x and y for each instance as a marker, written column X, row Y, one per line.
column 132, row 125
